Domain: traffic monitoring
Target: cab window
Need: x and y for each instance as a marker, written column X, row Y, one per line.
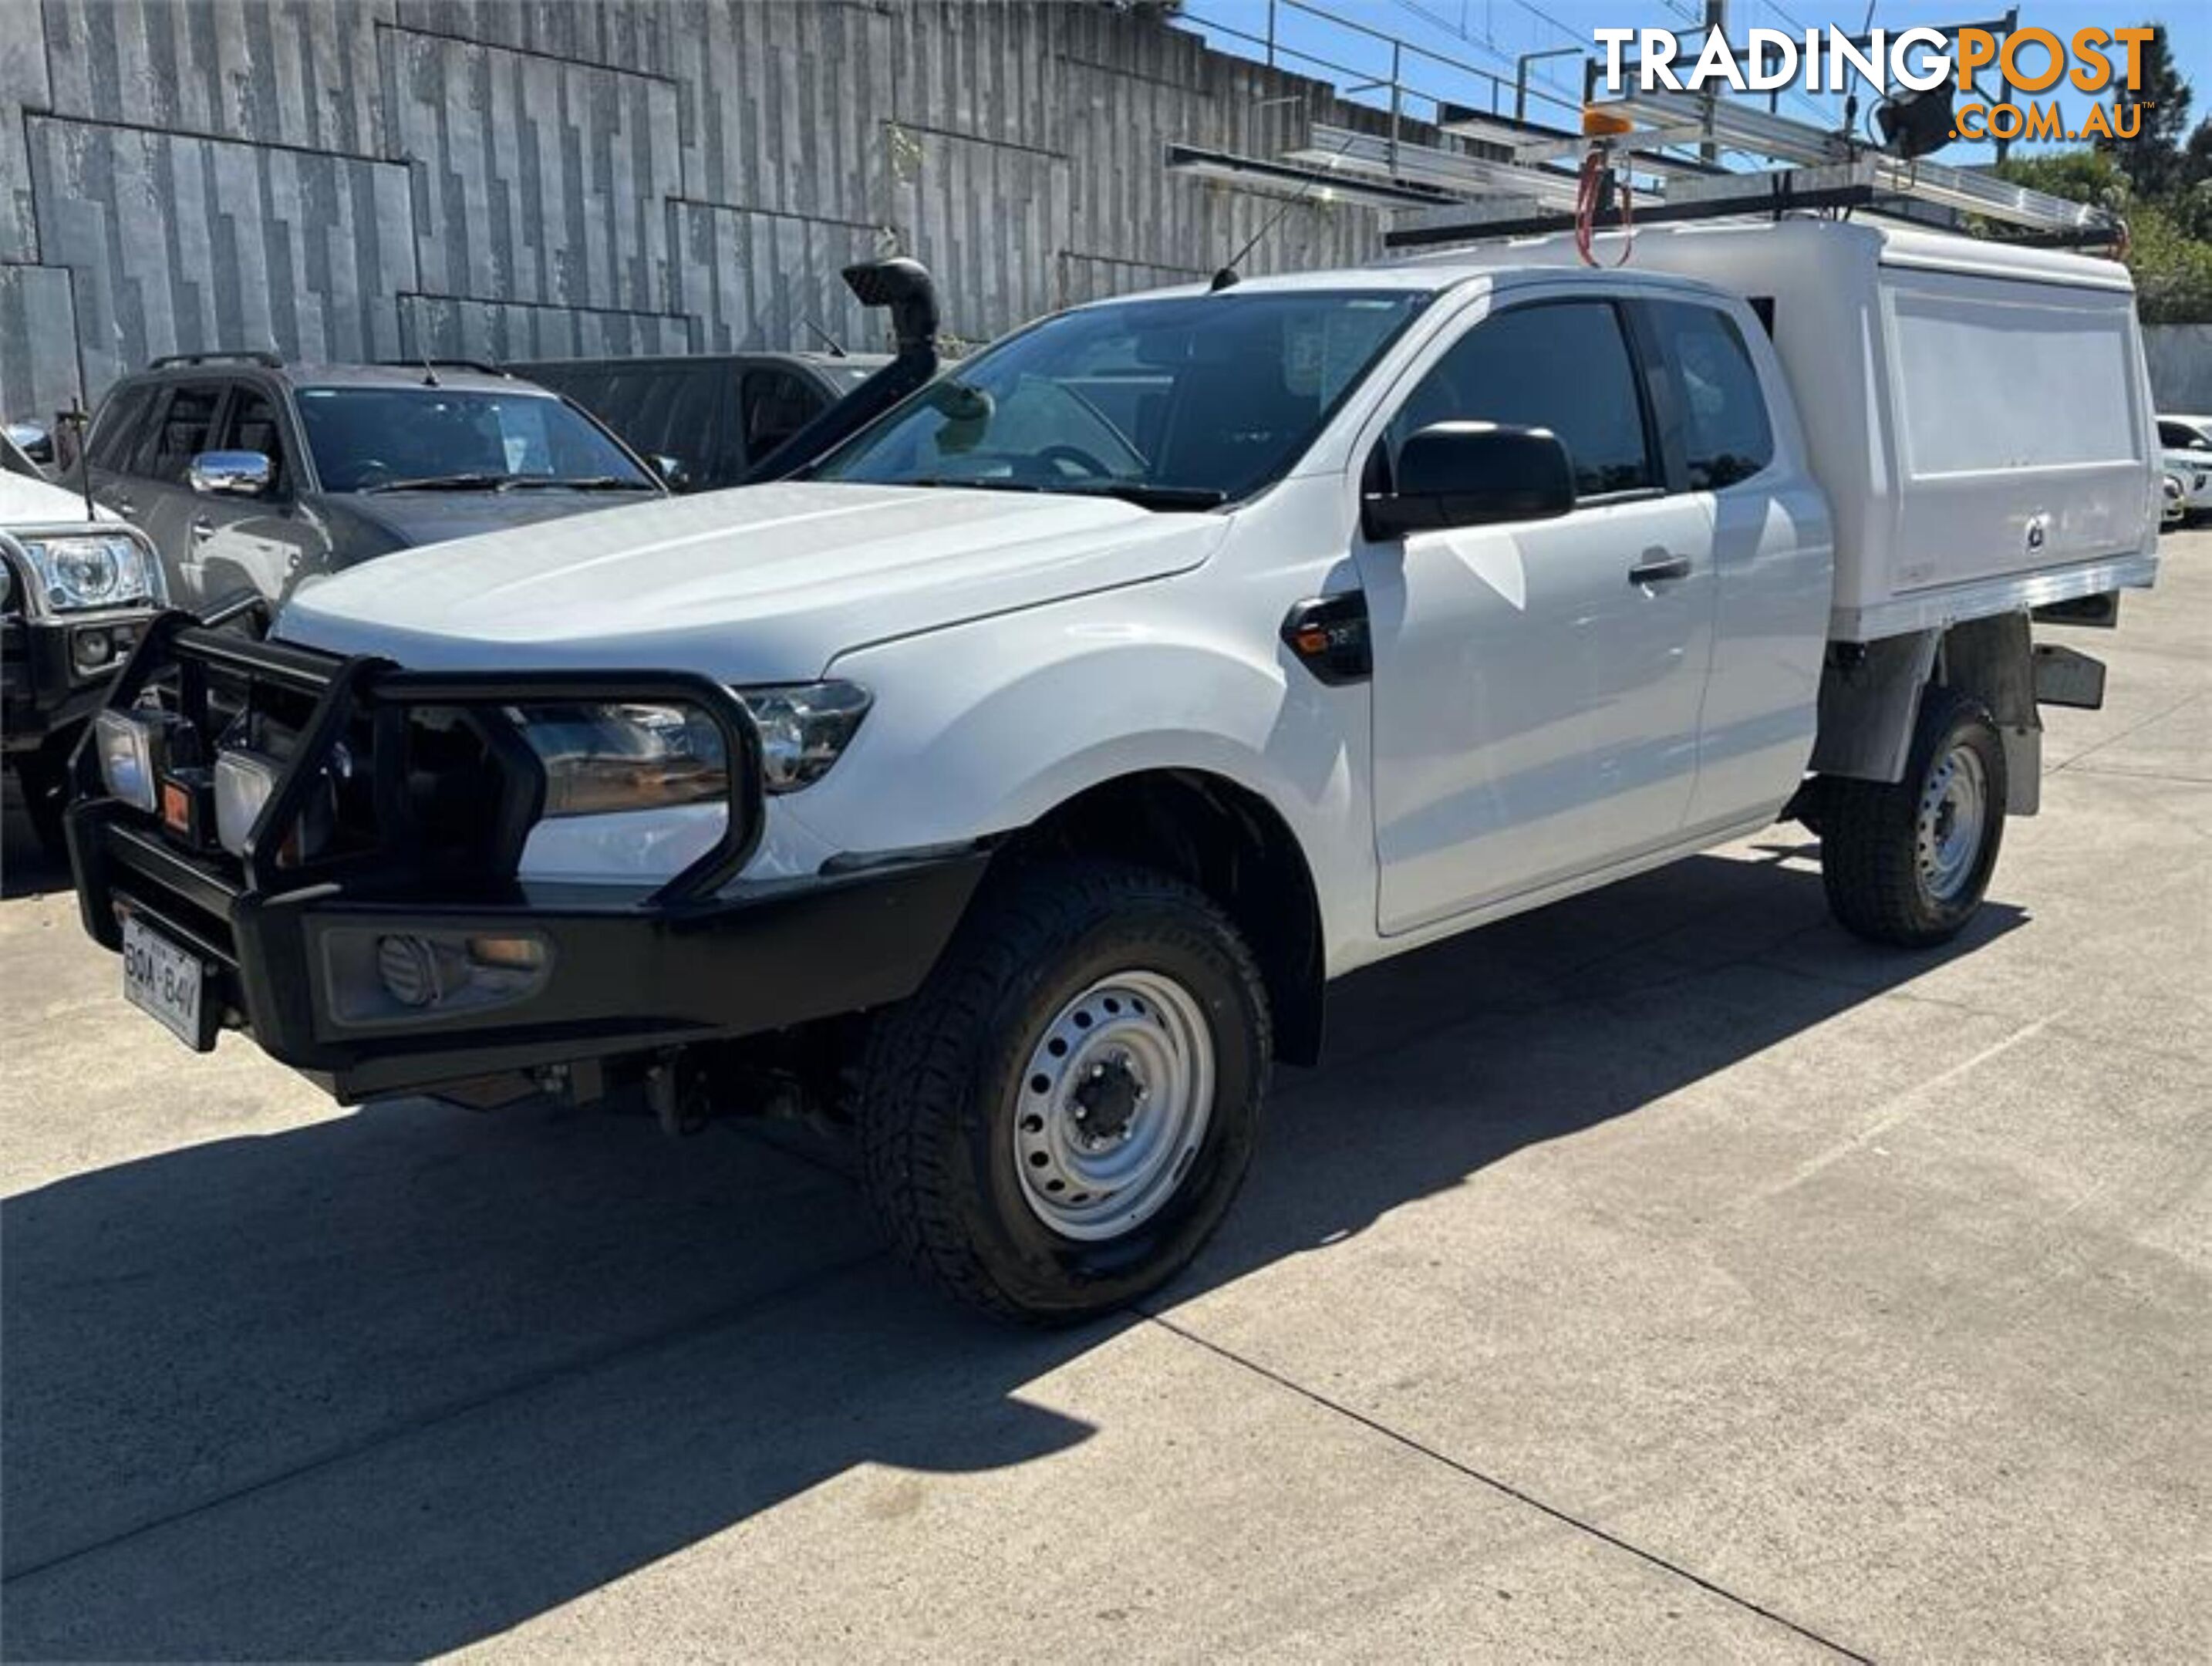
column 253, row 427
column 122, row 419
column 777, row 404
column 1726, row 436
column 1563, row 366
column 186, row 425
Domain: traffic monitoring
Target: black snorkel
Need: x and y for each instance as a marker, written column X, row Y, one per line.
column 906, row 287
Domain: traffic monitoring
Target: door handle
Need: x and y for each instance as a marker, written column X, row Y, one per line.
column 1658, row 569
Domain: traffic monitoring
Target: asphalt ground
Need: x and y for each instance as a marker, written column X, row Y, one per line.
column 1664, row 1275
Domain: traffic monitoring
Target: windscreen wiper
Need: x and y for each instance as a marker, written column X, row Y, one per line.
column 963, row 485
column 1145, row 495
column 445, row 482
column 593, row 483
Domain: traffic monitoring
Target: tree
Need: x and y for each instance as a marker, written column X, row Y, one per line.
column 2168, row 252
column 2161, row 97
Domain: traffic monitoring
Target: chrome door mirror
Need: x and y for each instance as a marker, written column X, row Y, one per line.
column 232, row 474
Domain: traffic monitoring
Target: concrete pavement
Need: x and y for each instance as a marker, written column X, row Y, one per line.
column 1664, row 1275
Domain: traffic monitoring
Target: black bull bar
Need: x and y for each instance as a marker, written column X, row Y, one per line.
column 633, row 967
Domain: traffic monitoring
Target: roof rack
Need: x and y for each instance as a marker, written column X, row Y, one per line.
column 1872, row 182
column 261, row 356
column 1487, row 175
column 479, row 366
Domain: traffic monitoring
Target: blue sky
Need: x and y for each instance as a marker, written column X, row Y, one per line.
column 1488, row 35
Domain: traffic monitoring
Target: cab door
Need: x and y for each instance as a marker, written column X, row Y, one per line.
column 252, row 543
column 161, row 501
column 1536, row 685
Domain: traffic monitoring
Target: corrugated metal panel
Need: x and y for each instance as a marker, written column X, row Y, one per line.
column 496, row 332
column 958, row 204
column 36, row 314
column 1096, row 276
column 622, row 34
column 23, row 86
column 987, row 72
column 294, row 72
column 183, row 244
column 780, row 105
column 758, row 280
column 593, row 168
column 534, row 180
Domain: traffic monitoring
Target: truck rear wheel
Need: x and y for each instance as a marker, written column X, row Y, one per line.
column 1058, row 1120
column 1908, row 862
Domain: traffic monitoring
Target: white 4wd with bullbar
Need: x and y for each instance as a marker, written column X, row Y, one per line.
column 1013, row 778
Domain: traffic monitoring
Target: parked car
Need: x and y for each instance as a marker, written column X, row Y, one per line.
column 1014, row 784
column 251, row 474
column 2187, row 454
column 76, row 593
column 714, row 415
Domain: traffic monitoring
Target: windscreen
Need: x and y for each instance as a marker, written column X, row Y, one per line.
column 367, row 438
column 1184, row 402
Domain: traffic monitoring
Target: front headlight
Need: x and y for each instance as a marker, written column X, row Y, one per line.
column 637, row 793
column 804, row 728
column 77, row 573
column 601, row 759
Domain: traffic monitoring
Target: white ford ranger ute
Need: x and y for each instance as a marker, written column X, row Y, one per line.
column 1015, row 779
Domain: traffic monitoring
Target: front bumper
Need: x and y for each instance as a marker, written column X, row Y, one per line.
column 628, row 970
column 42, row 691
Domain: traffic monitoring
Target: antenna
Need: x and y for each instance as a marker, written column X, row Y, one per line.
column 422, row 349
column 1227, row 275
column 836, row 348
column 75, row 419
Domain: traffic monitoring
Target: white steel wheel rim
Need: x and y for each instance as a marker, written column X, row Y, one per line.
column 1112, row 1105
column 1953, row 811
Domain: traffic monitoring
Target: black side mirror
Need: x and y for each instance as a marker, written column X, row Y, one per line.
column 1472, row 474
column 673, row 475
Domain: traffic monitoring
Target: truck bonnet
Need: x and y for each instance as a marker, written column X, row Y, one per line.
column 761, row 584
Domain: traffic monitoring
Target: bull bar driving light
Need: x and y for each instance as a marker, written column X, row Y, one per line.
column 136, row 749
column 243, row 783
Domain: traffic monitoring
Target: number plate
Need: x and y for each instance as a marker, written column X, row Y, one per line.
column 161, row 978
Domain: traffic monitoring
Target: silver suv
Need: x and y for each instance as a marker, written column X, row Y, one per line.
column 250, row 474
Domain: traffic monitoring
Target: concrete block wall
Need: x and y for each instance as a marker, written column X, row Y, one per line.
column 349, row 178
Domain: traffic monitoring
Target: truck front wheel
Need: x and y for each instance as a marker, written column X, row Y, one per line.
column 1057, row 1121
column 1907, row 862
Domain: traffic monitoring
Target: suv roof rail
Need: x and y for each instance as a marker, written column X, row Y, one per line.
column 479, row 366
column 221, row 356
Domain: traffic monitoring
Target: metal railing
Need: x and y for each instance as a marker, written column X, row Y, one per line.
column 1477, row 88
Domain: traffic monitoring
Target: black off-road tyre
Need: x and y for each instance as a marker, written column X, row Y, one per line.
column 940, row 1086
column 1879, row 842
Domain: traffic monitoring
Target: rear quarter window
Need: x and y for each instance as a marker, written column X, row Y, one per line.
column 1727, row 435
column 115, row 436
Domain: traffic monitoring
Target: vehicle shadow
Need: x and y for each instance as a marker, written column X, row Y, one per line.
column 25, row 868
column 395, row 1381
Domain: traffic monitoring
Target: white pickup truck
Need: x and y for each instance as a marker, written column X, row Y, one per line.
column 1014, row 780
